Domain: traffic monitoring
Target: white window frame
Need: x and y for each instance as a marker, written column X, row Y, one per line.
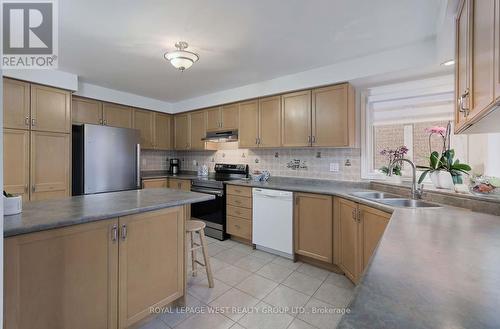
column 404, row 93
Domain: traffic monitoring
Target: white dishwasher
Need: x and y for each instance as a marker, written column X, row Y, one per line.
column 272, row 227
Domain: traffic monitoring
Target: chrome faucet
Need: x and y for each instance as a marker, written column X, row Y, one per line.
column 416, row 189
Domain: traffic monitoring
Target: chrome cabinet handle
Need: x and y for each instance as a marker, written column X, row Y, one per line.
column 101, row 122
column 105, row 122
column 27, row 121
column 461, row 101
column 33, row 188
column 314, row 139
column 258, row 138
column 114, row 232
column 33, row 122
column 354, row 214
column 124, row 232
column 309, row 139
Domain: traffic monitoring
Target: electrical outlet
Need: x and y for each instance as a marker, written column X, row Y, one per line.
column 334, row 167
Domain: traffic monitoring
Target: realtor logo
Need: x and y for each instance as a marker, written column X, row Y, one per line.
column 29, row 34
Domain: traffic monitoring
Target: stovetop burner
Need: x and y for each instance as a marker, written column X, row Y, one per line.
column 223, row 172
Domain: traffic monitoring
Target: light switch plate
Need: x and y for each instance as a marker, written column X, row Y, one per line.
column 334, row 167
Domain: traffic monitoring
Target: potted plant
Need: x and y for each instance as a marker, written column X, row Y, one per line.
column 390, row 156
column 444, row 170
column 12, row 204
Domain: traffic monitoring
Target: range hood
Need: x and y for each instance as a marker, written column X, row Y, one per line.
column 221, row 136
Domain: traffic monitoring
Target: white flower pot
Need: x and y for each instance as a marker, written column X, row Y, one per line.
column 12, row 205
column 442, row 179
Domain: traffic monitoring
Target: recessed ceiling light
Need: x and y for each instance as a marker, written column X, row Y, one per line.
column 181, row 59
column 448, row 62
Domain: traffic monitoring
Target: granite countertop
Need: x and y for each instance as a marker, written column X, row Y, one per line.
column 44, row 215
column 433, row 268
column 151, row 174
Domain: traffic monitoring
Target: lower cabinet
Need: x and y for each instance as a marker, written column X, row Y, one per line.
column 155, row 183
column 373, row 223
column 239, row 212
column 313, row 221
column 104, row 274
column 179, row 184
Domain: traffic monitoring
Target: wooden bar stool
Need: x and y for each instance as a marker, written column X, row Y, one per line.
column 192, row 227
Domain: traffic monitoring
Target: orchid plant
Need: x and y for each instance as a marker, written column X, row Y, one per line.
column 392, row 155
column 445, row 160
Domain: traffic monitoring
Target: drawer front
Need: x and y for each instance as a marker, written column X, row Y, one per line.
column 239, row 227
column 239, row 201
column 239, row 190
column 244, row 213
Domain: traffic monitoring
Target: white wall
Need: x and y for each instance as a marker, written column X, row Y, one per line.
column 54, row 78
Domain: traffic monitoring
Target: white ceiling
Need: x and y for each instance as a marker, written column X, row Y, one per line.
column 120, row 44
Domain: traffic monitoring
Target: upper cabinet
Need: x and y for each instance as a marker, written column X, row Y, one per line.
column 50, row 109
column 477, row 68
column 260, row 123
column 213, row 119
column 197, row 129
column 296, row 119
column 163, row 131
column 248, row 130
column 181, row 131
column 145, row 123
column 115, row 115
column 222, row 117
column 85, row 110
column 16, row 104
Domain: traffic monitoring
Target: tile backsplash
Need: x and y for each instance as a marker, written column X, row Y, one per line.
column 304, row 162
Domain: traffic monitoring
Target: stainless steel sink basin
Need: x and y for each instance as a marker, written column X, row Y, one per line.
column 408, row 203
column 375, row 195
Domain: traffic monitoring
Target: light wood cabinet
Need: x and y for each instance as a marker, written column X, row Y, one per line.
column 229, row 116
column 62, row 278
column 214, row 120
column 181, row 131
column 373, row 223
column 179, row 184
column 270, row 122
column 462, row 73
column 16, row 162
column 349, row 238
column 248, row 130
column 85, row 110
column 163, row 131
column 333, row 120
column 239, row 212
column 145, row 123
column 50, row 165
column 197, row 129
column 115, row 115
column 16, row 104
column 50, row 109
column 296, row 119
column 151, row 262
column 313, row 226
column 155, row 183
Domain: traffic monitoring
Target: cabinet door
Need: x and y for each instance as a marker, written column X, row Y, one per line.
column 179, row 184
column 50, row 168
column 462, row 65
column 16, row 104
column 198, row 124
column 151, row 259
column 296, row 116
column 229, row 116
column 50, row 109
column 248, row 127
column 144, row 122
column 155, row 183
column 332, row 116
column 16, row 159
column 181, row 130
column 314, row 226
column 163, row 131
column 373, row 223
column 482, row 59
column 270, row 122
column 62, row 278
column 86, row 111
column 348, row 226
column 214, row 120
column 117, row 115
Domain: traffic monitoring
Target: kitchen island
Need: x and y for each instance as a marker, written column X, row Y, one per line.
column 96, row 261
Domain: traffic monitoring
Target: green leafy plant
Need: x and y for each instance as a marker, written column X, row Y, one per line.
column 392, row 155
column 7, row 195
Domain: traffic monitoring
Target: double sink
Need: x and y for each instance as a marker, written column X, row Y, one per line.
column 393, row 200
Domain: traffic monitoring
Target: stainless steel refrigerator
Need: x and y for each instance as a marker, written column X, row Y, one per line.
column 105, row 159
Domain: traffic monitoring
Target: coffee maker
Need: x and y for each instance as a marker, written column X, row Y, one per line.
column 174, row 166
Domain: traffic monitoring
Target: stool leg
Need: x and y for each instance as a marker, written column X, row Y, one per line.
column 206, row 258
column 193, row 255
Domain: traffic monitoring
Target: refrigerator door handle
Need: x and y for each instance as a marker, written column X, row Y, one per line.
column 138, row 165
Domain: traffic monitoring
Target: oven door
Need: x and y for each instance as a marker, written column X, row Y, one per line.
column 212, row 212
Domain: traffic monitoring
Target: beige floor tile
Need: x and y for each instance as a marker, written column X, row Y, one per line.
column 244, row 248
column 288, row 263
column 237, row 326
column 265, row 319
column 177, row 314
column 230, row 256
column 257, row 286
column 234, row 303
column 326, row 320
column 274, row 272
column 285, row 297
column 251, row 263
column 299, row 324
column 339, row 280
column 214, row 249
column 303, row 283
column 264, row 255
column 211, row 240
column 217, row 264
column 201, row 291
column 227, row 243
column 201, row 275
column 334, row 295
column 154, row 324
column 315, row 272
column 232, row 275
column 206, row 321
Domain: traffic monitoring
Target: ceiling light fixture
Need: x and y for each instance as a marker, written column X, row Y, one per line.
column 448, row 62
column 181, row 59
